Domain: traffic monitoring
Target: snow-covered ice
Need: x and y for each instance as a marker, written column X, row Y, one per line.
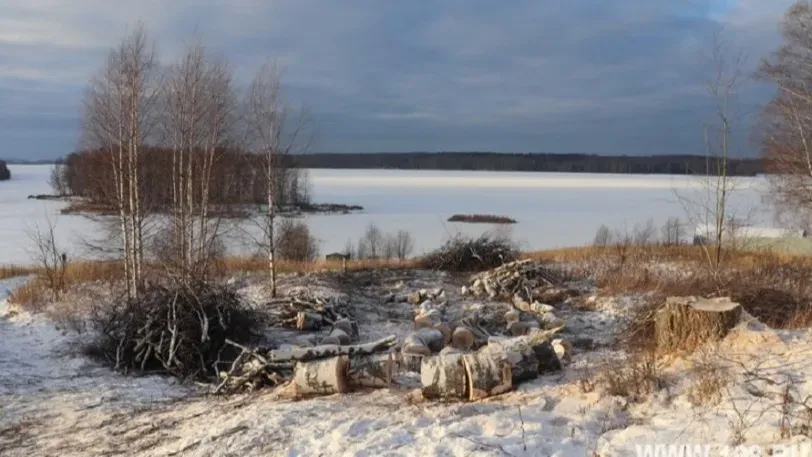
column 552, row 209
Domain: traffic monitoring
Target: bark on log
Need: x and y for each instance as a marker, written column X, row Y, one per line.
column 309, row 321
column 372, row 370
column 443, row 328
column 687, row 322
column 462, row 338
column 486, row 376
column 330, row 350
column 322, row 377
column 519, row 354
column 443, row 376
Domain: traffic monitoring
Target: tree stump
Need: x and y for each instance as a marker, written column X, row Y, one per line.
column 687, row 322
column 372, row 371
column 322, row 377
column 443, row 376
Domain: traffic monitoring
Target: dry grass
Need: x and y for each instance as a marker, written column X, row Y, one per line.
column 634, row 378
column 11, row 271
column 36, row 293
column 709, row 380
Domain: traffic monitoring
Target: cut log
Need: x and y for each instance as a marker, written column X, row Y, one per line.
column 563, row 350
column 486, row 375
column 372, row 370
column 511, row 317
column 429, row 337
column 516, row 352
column 340, row 336
column 462, row 338
column 520, row 328
column 324, row 351
column 687, row 322
column 322, row 377
column 309, row 321
column 428, row 319
column 443, row 376
column 346, row 326
column 411, row 357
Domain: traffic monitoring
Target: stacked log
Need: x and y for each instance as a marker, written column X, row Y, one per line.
column 307, row 313
column 531, row 280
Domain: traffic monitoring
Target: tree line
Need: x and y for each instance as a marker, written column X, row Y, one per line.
column 541, row 162
column 4, row 171
column 236, row 177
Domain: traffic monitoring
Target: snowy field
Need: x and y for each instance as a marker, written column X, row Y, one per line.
column 552, row 209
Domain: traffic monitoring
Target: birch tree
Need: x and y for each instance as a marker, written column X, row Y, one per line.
column 120, row 108
column 272, row 131
column 787, row 120
column 199, row 116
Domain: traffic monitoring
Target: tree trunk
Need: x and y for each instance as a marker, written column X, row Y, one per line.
column 443, row 376
column 687, row 322
column 372, row 370
column 322, row 377
column 428, row 337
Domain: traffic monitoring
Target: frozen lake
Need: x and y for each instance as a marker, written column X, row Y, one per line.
column 552, row 209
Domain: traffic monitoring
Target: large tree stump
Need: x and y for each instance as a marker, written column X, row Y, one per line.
column 486, row 375
column 443, row 376
column 687, row 322
column 372, row 370
column 322, row 377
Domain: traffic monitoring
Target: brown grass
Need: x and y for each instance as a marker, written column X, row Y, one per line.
column 11, row 271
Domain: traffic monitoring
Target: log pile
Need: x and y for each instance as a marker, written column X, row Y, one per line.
column 307, row 312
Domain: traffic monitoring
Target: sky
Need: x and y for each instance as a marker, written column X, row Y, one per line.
column 574, row 76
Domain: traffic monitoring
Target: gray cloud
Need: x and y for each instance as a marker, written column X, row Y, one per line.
column 594, row 76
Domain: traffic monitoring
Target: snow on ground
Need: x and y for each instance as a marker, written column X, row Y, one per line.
column 54, row 402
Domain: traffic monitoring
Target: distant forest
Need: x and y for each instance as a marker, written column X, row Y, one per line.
column 573, row 163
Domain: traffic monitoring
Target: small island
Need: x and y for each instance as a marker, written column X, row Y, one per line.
column 5, row 173
column 481, row 219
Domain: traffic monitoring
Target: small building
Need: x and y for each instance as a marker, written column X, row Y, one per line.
column 337, row 256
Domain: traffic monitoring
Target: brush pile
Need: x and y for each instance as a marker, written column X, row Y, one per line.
column 464, row 254
column 180, row 331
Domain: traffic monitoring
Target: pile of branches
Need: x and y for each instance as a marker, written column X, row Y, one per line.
column 528, row 280
column 463, row 254
column 305, row 312
column 179, row 330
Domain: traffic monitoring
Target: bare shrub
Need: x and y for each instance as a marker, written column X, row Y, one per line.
column 471, row 254
column 295, row 242
column 50, row 258
column 603, row 237
column 180, row 331
column 709, row 379
column 645, row 234
column 634, row 378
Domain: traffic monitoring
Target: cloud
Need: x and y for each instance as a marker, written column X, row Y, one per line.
column 583, row 76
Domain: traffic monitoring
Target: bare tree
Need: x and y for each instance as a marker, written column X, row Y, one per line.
column 372, row 243
column 673, row 232
column 786, row 122
column 645, row 234
column 119, row 116
column 711, row 211
column 271, row 134
column 402, row 244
